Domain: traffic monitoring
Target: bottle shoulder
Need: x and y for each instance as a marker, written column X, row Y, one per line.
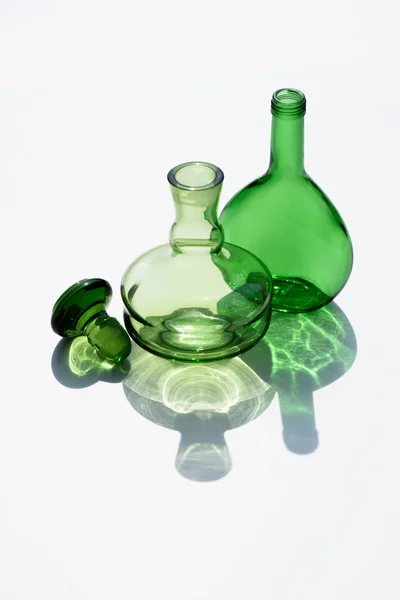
column 282, row 192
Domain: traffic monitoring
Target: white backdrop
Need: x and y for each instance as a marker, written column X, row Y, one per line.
column 98, row 100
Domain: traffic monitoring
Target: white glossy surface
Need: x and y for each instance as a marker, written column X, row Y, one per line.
column 98, row 101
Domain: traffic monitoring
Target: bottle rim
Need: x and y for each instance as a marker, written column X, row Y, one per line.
column 195, row 175
column 288, row 102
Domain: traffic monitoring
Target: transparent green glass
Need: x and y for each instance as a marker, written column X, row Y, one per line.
column 197, row 298
column 81, row 310
column 286, row 220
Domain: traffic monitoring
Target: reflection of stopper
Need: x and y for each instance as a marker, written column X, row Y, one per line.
column 82, row 310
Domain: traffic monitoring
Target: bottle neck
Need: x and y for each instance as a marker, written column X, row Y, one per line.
column 287, row 144
column 196, row 227
column 203, row 454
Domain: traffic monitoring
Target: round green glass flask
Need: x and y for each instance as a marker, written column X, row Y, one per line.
column 196, row 298
column 286, row 219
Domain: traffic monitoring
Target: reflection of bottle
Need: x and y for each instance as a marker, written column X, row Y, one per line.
column 203, row 454
column 298, row 419
column 285, row 219
column 307, row 352
column 197, row 299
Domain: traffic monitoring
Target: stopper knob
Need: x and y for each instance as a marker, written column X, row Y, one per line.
column 81, row 310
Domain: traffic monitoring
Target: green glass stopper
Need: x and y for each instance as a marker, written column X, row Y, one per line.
column 82, row 310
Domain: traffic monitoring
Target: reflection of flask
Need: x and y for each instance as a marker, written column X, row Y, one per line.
column 199, row 401
column 285, row 219
column 197, row 299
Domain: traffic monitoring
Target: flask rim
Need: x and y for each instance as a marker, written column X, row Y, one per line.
column 210, row 170
column 288, row 102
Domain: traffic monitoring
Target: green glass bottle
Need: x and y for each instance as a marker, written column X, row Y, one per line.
column 285, row 219
column 197, row 298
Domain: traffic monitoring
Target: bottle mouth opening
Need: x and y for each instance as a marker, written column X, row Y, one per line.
column 195, row 176
column 288, row 102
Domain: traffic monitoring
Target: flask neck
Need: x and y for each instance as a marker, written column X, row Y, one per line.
column 196, row 188
column 287, row 144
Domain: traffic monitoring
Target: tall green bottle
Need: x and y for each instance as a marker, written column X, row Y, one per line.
column 285, row 219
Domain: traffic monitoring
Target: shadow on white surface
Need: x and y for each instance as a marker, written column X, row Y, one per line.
column 299, row 355
column 306, row 352
column 199, row 401
column 76, row 364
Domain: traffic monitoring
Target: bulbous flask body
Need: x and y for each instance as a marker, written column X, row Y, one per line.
column 196, row 298
column 286, row 220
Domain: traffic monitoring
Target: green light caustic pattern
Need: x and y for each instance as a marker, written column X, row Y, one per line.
column 83, row 358
column 199, row 401
column 316, row 348
column 308, row 352
column 76, row 364
column 300, row 354
column 285, row 219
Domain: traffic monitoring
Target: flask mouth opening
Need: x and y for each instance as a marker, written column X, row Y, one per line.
column 195, row 176
column 288, row 102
